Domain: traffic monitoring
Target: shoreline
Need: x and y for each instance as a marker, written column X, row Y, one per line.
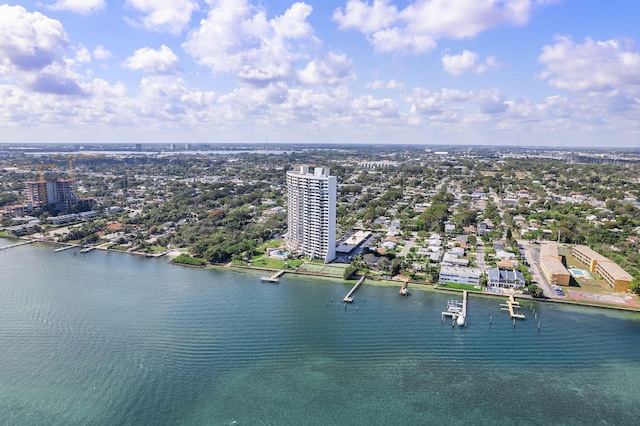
column 379, row 282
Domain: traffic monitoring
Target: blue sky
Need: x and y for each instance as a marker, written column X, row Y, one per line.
column 482, row 72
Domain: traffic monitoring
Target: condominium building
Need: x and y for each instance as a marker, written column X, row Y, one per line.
column 44, row 192
column 617, row 278
column 459, row 274
column 312, row 212
column 551, row 264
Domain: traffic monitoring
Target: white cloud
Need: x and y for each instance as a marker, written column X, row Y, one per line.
column 101, row 53
column 382, row 84
column 28, row 41
column 238, row 39
column 416, row 28
column 155, row 62
column 82, row 7
column 590, row 66
column 83, row 54
column 466, row 62
column 170, row 16
column 328, row 69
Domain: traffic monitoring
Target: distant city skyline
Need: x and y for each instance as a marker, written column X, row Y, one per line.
column 474, row 72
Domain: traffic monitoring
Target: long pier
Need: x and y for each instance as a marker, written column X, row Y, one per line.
column 349, row 297
column 274, row 278
column 17, row 244
column 511, row 305
column 65, row 248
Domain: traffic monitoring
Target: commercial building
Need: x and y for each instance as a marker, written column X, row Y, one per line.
column 617, row 278
column 551, row 265
column 312, row 212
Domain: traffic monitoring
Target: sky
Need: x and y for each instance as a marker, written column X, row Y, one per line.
column 556, row 73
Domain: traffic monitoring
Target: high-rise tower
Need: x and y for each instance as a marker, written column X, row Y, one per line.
column 312, row 212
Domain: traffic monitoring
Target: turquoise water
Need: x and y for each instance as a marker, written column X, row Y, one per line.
column 106, row 338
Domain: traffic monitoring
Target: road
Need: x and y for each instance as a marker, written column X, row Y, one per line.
column 532, row 255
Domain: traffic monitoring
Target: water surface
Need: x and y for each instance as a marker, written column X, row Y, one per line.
column 107, row 338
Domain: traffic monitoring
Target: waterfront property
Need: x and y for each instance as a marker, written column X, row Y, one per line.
column 461, row 275
column 551, row 264
column 312, row 213
column 506, row 278
column 616, row 277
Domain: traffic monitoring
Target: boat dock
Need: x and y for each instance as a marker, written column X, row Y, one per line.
column 65, row 248
column 511, row 305
column 349, row 297
column 87, row 249
column 403, row 289
column 17, row 244
column 274, row 278
column 21, row 243
column 457, row 311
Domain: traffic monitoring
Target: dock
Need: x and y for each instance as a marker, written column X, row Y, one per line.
column 349, row 297
column 511, row 305
column 87, row 249
column 65, row 248
column 403, row 289
column 457, row 311
column 274, row 278
column 17, row 244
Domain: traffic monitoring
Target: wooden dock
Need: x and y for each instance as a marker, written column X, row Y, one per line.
column 349, row 297
column 17, row 244
column 511, row 305
column 65, row 248
column 403, row 289
column 274, row 278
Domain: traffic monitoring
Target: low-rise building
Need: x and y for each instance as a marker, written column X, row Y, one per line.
column 506, row 278
column 457, row 274
column 551, row 265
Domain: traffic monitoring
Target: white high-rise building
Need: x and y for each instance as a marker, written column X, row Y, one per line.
column 312, row 212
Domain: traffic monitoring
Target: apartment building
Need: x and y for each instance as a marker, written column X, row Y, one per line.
column 551, row 265
column 617, row 278
column 43, row 192
column 459, row 274
column 312, row 196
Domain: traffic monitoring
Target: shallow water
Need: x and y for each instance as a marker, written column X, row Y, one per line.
column 107, row 338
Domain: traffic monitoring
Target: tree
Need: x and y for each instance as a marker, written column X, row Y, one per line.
column 634, row 286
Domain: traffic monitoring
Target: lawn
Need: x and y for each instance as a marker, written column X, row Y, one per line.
column 459, row 286
column 267, row 262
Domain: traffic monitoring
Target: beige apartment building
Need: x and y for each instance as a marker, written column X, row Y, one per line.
column 551, row 265
column 617, row 278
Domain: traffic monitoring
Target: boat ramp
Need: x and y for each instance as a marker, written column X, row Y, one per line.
column 274, row 278
column 349, row 297
column 457, row 311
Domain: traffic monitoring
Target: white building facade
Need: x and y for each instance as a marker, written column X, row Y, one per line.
column 312, row 212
